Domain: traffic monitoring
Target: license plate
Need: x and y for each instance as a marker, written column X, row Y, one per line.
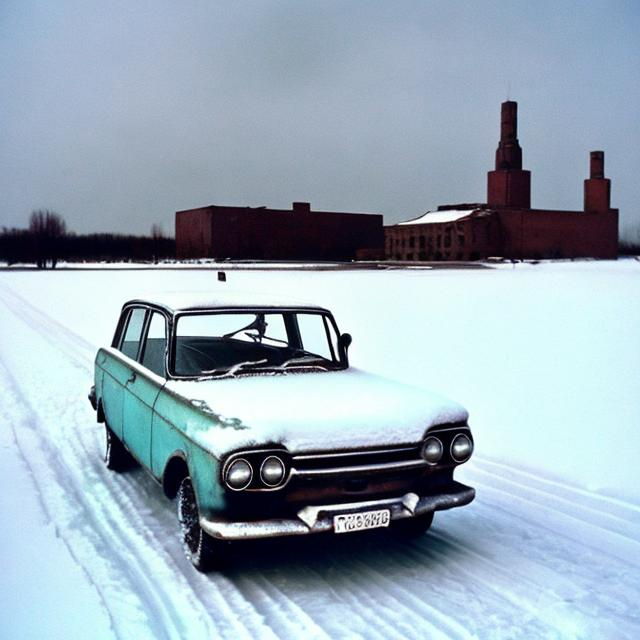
column 349, row 522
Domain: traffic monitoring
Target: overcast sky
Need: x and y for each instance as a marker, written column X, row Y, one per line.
column 116, row 114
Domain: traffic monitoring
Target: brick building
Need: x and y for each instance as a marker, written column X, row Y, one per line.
column 258, row 233
column 506, row 225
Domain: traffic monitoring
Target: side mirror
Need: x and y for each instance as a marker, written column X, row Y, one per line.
column 344, row 342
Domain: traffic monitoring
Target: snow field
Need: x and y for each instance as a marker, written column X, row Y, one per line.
column 545, row 359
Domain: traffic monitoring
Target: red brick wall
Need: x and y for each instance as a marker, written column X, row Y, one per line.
column 509, row 189
column 193, row 233
column 510, row 233
column 538, row 233
column 275, row 234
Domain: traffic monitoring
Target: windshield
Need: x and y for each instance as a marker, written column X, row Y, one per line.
column 229, row 343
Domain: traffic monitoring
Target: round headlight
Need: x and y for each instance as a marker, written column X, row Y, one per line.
column 239, row 475
column 432, row 450
column 272, row 471
column 461, row 448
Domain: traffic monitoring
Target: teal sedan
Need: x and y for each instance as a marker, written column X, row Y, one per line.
column 247, row 412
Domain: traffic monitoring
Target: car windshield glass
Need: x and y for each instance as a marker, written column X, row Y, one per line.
column 243, row 342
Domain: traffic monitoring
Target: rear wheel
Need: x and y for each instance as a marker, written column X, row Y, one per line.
column 206, row 553
column 413, row 527
column 116, row 457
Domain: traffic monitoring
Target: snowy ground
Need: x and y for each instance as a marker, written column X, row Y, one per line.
column 546, row 358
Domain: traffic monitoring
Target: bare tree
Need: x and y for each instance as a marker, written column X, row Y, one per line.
column 47, row 229
column 157, row 235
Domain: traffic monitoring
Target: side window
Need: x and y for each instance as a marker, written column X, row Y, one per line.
column 317, row 336
column 131, row 340
column 155, row 345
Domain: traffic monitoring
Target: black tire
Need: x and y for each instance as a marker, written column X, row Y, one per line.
column 205, row 553
column 413, row 527
column 116, row 457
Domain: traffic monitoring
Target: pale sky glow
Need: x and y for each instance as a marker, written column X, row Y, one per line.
column 118, row 114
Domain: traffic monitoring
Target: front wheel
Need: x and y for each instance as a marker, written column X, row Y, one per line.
column 206, row 553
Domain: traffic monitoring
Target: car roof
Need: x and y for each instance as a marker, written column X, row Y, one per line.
column 175, row 302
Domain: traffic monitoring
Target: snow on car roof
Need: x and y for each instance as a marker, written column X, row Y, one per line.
column 185, row 301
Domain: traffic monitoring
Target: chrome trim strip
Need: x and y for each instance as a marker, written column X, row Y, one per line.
column 323, row 456
column 436, row 429
column 363, row 468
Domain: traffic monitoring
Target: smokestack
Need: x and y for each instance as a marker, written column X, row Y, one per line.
column 509, row 121
column 508, row 185
column 597, row 188
column 509, row 153
column 596, row 164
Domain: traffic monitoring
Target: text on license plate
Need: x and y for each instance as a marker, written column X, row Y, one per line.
column 358, row 521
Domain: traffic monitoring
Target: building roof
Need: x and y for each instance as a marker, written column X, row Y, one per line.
column 187, row 301
column 433, row 217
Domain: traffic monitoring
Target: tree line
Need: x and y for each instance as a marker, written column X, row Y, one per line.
column 46, row 242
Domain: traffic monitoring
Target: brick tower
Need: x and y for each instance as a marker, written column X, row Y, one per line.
column 508, row 185
column 597, row 188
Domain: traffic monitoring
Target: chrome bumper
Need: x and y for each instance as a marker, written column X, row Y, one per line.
column 318, row 519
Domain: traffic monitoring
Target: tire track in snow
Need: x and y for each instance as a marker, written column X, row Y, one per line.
column 471, row 569
column 129, row 502
column 113, row 533
column 279, row 611
column 567, row 501
column 508, row 582
column 387, row 605
column 439, row 623
column 38, row 319
column 563, row 517
column 36, row 456
column 371, row 589
column 610, row 514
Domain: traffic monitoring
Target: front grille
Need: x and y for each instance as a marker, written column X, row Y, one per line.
column 319, row 465
column 324, row 477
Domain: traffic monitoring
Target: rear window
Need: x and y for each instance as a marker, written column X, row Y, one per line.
column 131, row 340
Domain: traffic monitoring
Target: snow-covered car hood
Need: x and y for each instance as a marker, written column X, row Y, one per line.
column 313, row 411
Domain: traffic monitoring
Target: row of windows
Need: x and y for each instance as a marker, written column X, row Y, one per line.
column 427, row 256
column 446, row 240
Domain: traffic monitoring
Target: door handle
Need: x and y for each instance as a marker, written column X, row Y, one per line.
column 132, row 378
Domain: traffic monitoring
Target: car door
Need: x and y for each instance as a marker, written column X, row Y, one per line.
column 118, row 370
column 143, row 386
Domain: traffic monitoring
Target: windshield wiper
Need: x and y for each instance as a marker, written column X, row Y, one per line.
column 305, row 360
column 231, row 371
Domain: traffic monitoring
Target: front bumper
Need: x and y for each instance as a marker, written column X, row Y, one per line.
column 318, row 519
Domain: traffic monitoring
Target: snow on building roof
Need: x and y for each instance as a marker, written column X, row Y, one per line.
column 183, row 301
column 448, row 215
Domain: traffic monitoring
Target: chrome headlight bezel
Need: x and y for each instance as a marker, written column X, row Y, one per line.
column 432, row 460
column 229, row 470
column 257, row 459
column 459, row 459
column 263, row 467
